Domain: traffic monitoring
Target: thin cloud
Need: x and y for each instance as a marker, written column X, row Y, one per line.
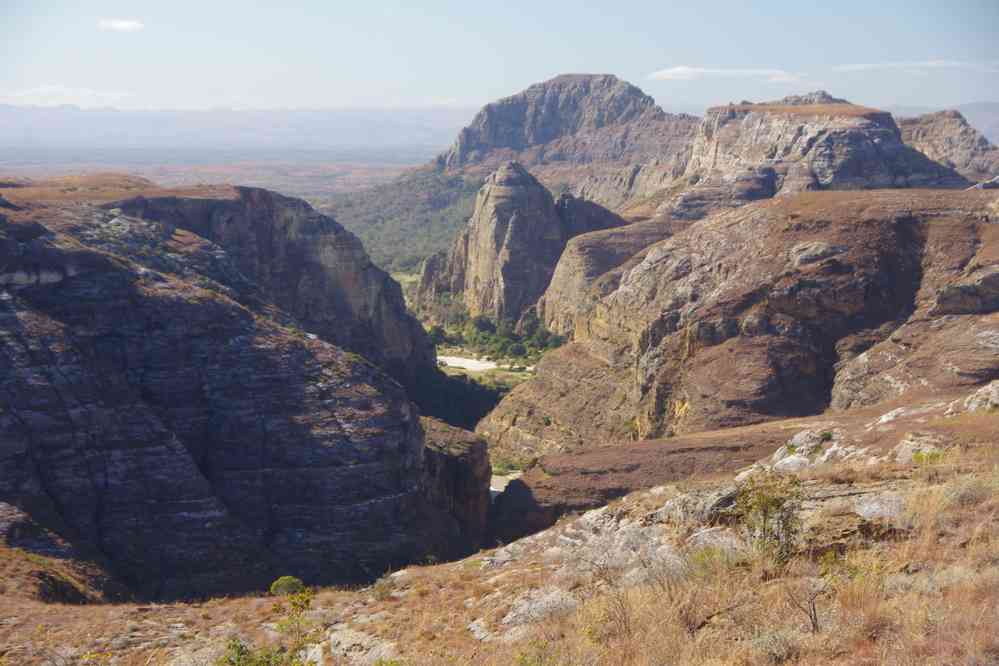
column 921, row 66
column 121, row 25
column 685, row 73
column 59, row 95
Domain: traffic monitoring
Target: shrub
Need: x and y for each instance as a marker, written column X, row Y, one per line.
column 296, row 631
column 287, row 585
column 768, row 506
column 383, row 588
column 925, row 458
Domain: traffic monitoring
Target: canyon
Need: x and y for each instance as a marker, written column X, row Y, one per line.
column 203, row 389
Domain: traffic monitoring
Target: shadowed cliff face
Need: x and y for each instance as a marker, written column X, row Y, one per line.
column 502, row 261
column 308, row 265
column 163, row 418
column 780, row 308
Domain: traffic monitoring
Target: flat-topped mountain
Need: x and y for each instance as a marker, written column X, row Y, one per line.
column 745, row 152
column 948, row 138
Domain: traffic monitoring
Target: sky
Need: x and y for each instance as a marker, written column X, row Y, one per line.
column 183, row 54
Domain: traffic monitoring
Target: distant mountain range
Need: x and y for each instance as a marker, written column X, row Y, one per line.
column 425, row 131
column 67, row 127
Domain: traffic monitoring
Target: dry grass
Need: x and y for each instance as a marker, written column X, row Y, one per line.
column 836, row 110
column 102, row 187
column 929, row 597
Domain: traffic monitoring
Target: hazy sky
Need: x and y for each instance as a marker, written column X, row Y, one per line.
column 363, row 53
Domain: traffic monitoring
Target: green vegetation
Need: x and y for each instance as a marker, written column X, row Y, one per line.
column 498, row 341
column 296, row 631
column 926, row 458
column 287, row 585
column 405, row 221
column 768, row 505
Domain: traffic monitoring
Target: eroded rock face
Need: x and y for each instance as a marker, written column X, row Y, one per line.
column 747, row 152
column 948, row 138
column 457, row 474
column 776, row 309
column 603, row 137
column 586, row 271
column 502, row 262
column 552, row 118
column 162, row 417
column 309, row 265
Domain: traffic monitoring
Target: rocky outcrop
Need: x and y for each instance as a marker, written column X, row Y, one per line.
column 502, row 262
column 574, row 117
column 161, row 417
column 308, row 265
column 601, row 137
column 456, row 478
column 948, row 138
column 777, row 309
column 586, row 271
column 746, row 152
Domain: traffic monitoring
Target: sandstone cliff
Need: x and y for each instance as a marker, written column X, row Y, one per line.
column 601, row 137
column 776, row 309
column 162, row 417
column 588, row 267
column 503, row 260
column 309, row 265
column 747, row 152
column 948, row 138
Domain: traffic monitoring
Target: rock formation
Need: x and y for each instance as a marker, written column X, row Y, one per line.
column 502, row 262
column 160, row 414
column 947, row 138
column 746, row 152
column 602, row 137
column 779, row 308
column 308, row 264
column 457, row 471
column 587, row 270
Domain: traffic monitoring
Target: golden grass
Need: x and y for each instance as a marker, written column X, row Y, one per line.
column 838, row 110
column 930, row 597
